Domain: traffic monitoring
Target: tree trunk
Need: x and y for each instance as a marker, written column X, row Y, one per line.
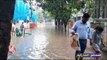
column 65, row 25
column 56, row 23
column 6, row 15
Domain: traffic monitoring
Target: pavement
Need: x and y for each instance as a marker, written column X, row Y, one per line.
column 46, row 43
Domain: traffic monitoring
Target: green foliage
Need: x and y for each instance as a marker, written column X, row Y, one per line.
column 61, row 8
column 39, row 1
column 91, row 5
column 64, row 8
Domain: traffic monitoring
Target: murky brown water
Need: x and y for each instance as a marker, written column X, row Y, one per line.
column 44, row 43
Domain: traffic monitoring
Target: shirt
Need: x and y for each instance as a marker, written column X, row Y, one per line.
column 97, row 41
column 83, row 30
column 97, row 37
column 22, row 26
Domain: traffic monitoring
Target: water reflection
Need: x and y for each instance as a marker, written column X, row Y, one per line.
column 45, row 43
column 31, row 47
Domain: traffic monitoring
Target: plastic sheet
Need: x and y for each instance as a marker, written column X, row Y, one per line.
column 22, row 11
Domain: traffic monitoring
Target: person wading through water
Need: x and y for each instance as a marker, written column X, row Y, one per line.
column 82, row 28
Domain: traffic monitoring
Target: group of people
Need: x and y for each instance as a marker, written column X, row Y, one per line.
column 83, row 29
column 21, row 28
column 18, row 29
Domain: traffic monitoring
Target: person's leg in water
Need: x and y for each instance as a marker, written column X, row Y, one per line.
column 98, row 50
column 83, row 44
column 22, row 31
column 76, row 55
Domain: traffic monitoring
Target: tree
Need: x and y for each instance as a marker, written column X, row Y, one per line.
column 61, row 9
column 89, row 6
column 6, row 15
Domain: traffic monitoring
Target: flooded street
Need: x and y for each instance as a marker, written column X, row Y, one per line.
column 44, row 43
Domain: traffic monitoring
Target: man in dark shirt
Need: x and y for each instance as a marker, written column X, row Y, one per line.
column 6, row 15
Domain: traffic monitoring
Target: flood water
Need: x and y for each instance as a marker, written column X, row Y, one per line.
column 44, row 43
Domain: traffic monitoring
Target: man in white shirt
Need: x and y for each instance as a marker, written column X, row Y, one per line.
column 82, row 27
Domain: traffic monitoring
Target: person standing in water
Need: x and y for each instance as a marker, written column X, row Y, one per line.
column 82, row 28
